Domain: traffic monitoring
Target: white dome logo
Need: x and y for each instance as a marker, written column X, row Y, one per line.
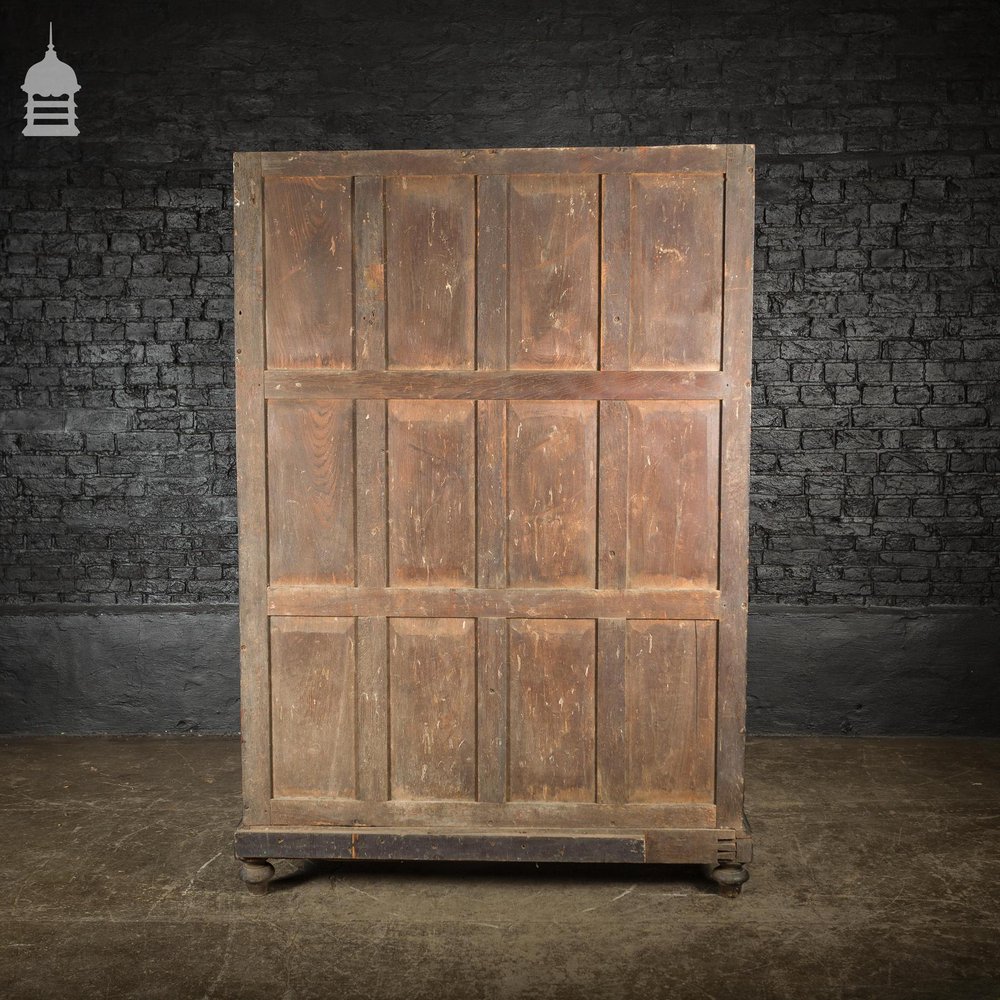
column 50, row 86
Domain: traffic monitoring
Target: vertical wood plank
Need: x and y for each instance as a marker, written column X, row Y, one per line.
column 369, row 273
column 734, row 527
column 372, row 692
column 491, row 485
column 611, row 748
column 616, row 215
column 251, row 480
column 372, row 710
column 370, row 505
column 491, row 737
column 491, row 272
column 612, row 499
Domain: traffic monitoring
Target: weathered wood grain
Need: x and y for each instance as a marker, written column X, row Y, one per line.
column 553, row 260
column 251, row 485
column 288, row 384
column 588, row 160
column 369, row 274
column 432, row 708
column 735, row 488
column 505, row 525
column 673, row 494
column 677, row 272
column 307, row 272
column 492, row 709
column 512, row 815
column 432, row 501
column 444, row 602
column 552, row 722
column 551, row 493
column 616, row 270
column 311, row 491
column 372, row 711
column 612, row 758
column 312, row 707
column 430, row 271
column 670, row 711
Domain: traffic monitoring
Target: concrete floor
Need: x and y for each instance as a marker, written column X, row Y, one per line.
column 876, row 875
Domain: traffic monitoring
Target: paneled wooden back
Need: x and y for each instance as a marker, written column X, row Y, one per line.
column 493, row 411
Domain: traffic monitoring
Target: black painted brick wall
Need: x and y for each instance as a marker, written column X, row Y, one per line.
column 877, row 352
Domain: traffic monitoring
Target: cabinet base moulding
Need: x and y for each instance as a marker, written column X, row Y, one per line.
column 254, row 845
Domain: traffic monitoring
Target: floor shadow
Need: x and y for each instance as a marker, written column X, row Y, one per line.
column 511, row 873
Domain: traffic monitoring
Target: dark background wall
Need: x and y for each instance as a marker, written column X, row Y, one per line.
column 876, row 447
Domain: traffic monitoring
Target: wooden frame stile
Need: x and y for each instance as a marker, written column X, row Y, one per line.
column 255, row 711
column 641, row 799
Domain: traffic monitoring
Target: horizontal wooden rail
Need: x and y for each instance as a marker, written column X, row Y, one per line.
column 587, row 160
column 447, row 602
column 326, row 384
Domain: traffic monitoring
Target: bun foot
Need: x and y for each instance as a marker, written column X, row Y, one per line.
column 729, row 876
column 256, row 873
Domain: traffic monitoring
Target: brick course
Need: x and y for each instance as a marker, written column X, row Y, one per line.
column 876, row 444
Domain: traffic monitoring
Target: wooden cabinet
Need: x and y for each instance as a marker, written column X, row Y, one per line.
column 492, row 424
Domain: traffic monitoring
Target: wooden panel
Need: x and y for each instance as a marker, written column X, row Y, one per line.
column 308, row 273
column 432, row 511
column 311, row 491
column 312, row 706
column 676, row 263
column 430, row 258
column 552, row 493
column 506, row 459
column 552, row 722
column 544, row 602
column 553, row 260
column 432, row 708
column 673, row 485
column 670, row 711
column 496, row 385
